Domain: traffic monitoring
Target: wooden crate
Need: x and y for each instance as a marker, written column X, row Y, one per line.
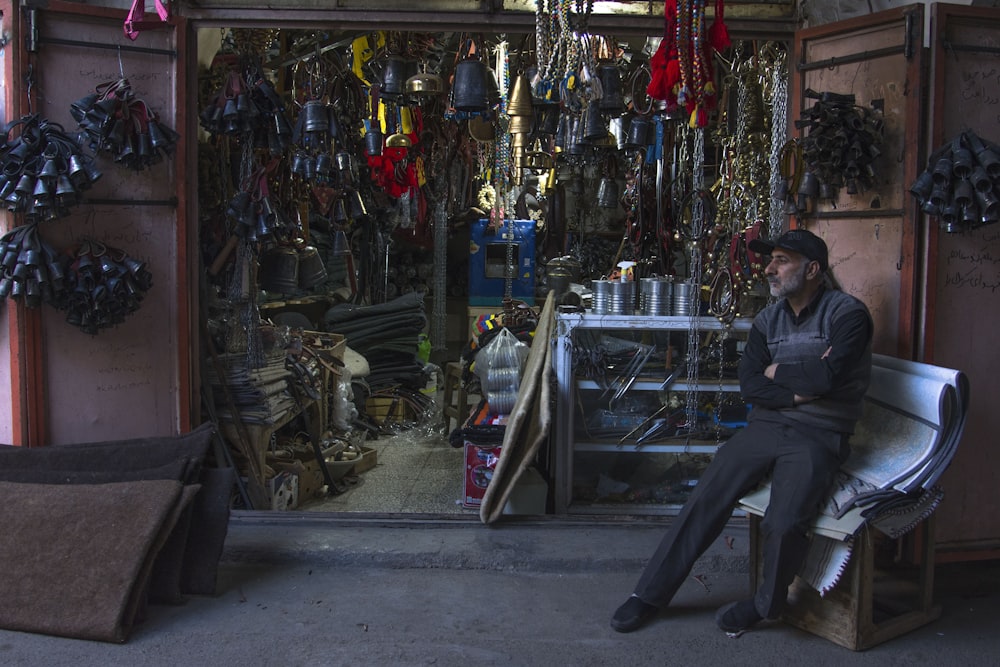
column 869, row 605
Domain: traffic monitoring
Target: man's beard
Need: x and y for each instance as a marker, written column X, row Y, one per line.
column 793, row 284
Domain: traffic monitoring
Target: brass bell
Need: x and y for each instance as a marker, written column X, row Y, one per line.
column 398, row 140
column 519, row 98
column 539, row 160
column 424, row 83
column 482, row 129
column 521, row 124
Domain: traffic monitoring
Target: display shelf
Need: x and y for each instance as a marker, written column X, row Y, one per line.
column 656, row 385
column 699, row 447
column 578, row 395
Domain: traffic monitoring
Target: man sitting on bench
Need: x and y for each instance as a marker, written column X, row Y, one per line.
column 805, row 369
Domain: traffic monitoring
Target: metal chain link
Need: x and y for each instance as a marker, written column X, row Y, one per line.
column 779, row 123
column 695, row 265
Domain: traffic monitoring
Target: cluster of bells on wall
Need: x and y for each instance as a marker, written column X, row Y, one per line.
column 42, row 169
column 842, row 142
column 959, row 185
column 113, row 120
column 97, row 286
column 104, row 285
column 248, row 104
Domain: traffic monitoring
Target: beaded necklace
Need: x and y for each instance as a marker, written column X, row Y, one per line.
column 682, row 39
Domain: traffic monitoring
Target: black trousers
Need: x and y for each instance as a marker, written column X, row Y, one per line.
column 802, row 463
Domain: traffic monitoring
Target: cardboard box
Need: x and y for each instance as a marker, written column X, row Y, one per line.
column 384, row 410
column 283, row 489
column 368, row 460
column 480, row 462
column 529, row 495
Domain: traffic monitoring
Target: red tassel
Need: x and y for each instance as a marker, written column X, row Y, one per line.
column 658, row 88
column 718, row 33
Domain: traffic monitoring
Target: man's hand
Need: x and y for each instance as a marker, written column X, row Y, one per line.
column 769, row 374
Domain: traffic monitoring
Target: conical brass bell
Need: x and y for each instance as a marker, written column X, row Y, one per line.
column 521, row 124
column 519, row 140
column 519, row 98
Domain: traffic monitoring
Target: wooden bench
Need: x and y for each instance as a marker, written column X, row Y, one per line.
column 913, row 418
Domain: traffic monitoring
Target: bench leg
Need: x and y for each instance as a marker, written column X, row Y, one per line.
column 868, row 606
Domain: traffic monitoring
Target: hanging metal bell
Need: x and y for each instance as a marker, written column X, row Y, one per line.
column 519, row 98
column 546, row 120
column 324, row 164
column 611, row 86
column 316, row 116
column 243, row 104
column 339, row 211
column 157, row 137
column 607, row 193
column 470, row 89
column 521, row 124
column 964, row 194
column 312, row 272
column 229, row 110
column 395, row 73
column 424, row 84
column 64, row 189
column 26, row 185
column 80, row 108
column 279, row 270
column 595, row 127
column 373, row 142
column 942, row 171
column 564, row 131
column 41, row 192
column 989, row 205
column 638, row 132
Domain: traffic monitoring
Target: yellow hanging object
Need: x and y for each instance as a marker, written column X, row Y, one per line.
column 381, row 118
column 406, row 120
column 362, row 53
column 693, row 121
column 421, row 173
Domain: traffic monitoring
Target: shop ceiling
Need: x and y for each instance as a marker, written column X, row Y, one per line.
column 746, row 20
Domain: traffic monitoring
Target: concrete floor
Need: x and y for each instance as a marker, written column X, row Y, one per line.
column 417, row 471
column 316, row 592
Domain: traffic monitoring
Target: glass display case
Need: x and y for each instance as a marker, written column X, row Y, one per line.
column 643, row 404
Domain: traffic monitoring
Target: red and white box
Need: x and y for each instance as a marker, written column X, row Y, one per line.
column 480, row 462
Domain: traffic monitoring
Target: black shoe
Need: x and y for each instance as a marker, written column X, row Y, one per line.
column 738, row 616
column 632, row 615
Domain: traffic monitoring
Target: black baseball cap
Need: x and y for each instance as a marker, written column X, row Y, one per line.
column 801, row 241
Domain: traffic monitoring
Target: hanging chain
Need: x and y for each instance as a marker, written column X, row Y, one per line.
column 694, row 265
column 779, row 122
